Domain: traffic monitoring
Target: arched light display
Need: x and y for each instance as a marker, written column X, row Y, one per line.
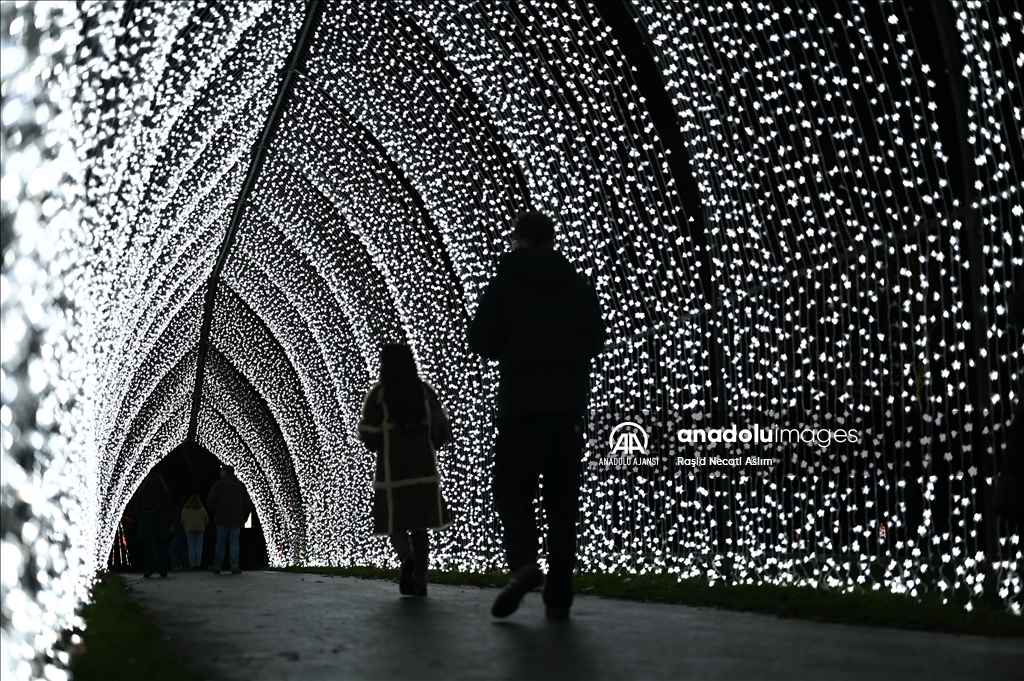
column 837, row 237
column 266, row 193
column 47, row 472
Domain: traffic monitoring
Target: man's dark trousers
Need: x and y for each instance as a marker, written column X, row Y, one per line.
column 526, row 448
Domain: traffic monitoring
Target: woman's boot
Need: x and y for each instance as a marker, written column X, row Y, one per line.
column 406, row 583
column 421, row 555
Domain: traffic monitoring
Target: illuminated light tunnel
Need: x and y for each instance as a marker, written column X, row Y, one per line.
column 214, row 215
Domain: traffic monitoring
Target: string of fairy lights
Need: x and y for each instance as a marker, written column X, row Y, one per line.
column 992, row 45
column 235, row 421
column 821, row 278
column 46, row 471
column 843, row 142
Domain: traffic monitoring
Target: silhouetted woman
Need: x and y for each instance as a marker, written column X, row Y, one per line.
column 403, row 422
column 153, row 505
column 194, row 519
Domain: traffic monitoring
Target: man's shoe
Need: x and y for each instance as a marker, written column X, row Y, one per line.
column 236, row 571
column 556, row 614
column 522, row 581
column 421, row 586
column 215, row 571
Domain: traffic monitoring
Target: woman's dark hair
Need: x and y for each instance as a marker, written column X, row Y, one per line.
column 154, row 484
column 403, row 389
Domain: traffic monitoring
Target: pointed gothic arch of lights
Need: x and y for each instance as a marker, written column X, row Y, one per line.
column 344, row 174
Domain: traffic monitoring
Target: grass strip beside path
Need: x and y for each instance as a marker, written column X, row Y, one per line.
column 863, row 607
column 120, row 642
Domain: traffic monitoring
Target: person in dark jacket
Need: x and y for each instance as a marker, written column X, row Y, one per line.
column 229, row 504
column 543, row 324
column 153, row 506
column 177, row 550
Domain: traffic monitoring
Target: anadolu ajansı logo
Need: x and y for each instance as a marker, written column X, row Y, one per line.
column 627, row 445
column 625, row 440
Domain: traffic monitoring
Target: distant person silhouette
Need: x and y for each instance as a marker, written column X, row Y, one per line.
column 153, row 506
column 404, row 423
column 194, row 519
column 543, row 324
column 230, row 505
column 177, row 550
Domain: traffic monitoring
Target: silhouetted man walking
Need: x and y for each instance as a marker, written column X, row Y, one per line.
column 543, row 323
column 229, row 504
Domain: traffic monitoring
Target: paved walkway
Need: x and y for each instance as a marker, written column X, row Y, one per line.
column 272, row 625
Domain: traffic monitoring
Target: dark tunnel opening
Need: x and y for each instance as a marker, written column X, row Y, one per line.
column 189, row 469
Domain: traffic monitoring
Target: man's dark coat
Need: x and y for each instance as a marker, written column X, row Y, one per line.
column 543, row 323
column 228, row 502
